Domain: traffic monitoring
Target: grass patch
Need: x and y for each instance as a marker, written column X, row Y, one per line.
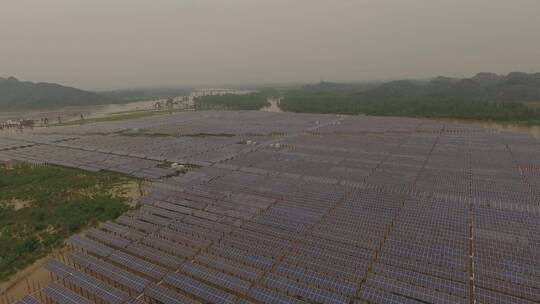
column 58, row 202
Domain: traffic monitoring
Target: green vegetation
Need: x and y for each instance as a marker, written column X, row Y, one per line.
column 253, row 101
column 42, row 206
column 483, row 97
column 433, row 107
column 15, row 94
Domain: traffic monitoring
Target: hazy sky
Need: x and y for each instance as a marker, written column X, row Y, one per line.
column 105, row 44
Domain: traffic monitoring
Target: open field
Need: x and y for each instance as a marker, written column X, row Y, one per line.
column 41, row 206
column 300, row 208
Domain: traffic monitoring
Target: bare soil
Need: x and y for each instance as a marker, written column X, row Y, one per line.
column 131, row 191
column 30, row 279
column 16, row 203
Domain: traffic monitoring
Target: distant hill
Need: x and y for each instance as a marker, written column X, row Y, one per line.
column 324, row 86
column 488, row 79
column 15, row 94
column 485, row 96
column 401, row 88
column 514, row 87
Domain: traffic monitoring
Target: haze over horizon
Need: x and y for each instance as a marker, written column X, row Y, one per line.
column 102, row 44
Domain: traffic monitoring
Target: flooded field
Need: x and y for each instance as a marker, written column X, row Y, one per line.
column 75, row 112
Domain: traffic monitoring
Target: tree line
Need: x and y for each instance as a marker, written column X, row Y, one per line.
column 428, row 106
column 253, row 101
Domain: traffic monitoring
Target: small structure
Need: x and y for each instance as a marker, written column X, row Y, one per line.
column 178, row 167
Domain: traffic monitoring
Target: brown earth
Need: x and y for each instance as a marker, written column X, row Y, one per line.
column 16, row 203
column 30, row 279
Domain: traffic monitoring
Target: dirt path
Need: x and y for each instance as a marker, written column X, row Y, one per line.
column 131, row 191
column 29, row 279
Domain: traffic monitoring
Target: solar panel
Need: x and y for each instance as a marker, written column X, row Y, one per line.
column 489, row 296
column 269, row 296
column 59, row 269
column 294, row 288
column 184, row 238
column 28, row 300
column 373, row 295
column 169, row 246
column 90, row 246
column 136, row 224
column 166, row 296
column 317, row 280
column 135, row 301
column 110, row 271
column 215, row 277
column 241, row 256
column 122, row 231
column 419, row 279
column 138, row 265
column 87, row 283
column 198, row 289
column 195, row 231
column 244, row 301
column 63, row 295
column 411, row 291
column 174, row 208
column 158, row 220
column 162, row 212
column 227, row 266
column 106, row 238
column 155, row 256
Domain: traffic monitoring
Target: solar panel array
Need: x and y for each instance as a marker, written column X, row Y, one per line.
column 87, row 160
column 330, row 210
column 7, row 144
